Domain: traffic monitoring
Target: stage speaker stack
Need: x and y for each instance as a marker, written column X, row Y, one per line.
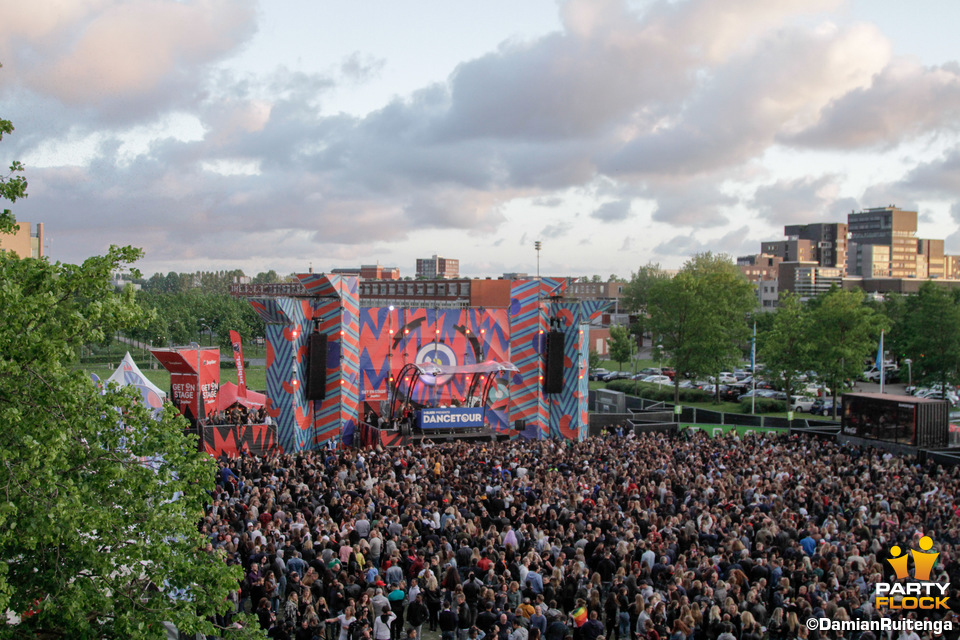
column 316, row 366
column 553, row 380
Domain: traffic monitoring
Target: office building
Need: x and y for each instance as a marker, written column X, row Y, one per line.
column 437, row 267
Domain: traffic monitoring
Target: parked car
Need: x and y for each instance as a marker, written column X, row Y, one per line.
column 648, row 371
column 802, row 403
column 822, row 407
column 814, row 390
column 669, row 371
column 597, row 374
column 657, row 379
column 758, row 393
column 731, row 392
column 617, row 375
column 890, row 373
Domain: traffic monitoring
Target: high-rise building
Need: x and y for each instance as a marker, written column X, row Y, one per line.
column 828, row 239
column 792, row 250
column 892, row 227
column 759, row 266
column 26, row 243
column 437, row 267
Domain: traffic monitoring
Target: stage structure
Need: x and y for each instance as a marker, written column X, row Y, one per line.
column 367, row 349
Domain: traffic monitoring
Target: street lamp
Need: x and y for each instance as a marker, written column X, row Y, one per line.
column 660, row 366
column 909, row 364
column 538, row 245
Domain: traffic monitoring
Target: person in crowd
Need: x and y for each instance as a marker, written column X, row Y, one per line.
column 655, row 535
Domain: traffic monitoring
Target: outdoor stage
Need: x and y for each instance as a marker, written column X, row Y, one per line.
column 365, row 352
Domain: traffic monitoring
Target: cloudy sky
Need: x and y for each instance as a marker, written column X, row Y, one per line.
column 275, row 135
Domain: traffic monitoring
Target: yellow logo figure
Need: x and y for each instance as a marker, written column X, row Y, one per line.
column 899, row 564
column 923, row 562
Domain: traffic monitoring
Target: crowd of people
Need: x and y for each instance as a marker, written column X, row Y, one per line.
column 239, row 414
column 657, row 536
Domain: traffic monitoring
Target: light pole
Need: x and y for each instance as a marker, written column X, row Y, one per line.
column 538, row 245
column 909, row 364
column 660, row 366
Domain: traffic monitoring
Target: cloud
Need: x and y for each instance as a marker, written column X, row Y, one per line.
column 556, row 230
column 698, row 203
column 733, row 243
column 123, row 60
column 672, row 103
column 742, row 106
column 615, row 211
column 902, row 101
column 360, row 68
column 801, row 200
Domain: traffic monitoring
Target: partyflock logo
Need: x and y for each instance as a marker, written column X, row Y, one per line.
column 921, row 593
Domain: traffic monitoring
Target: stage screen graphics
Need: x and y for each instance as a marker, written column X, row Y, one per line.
column 450, row 418
column 391, row 338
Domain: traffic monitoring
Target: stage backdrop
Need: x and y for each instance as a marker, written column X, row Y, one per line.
column 389, row 339
column 364, row 346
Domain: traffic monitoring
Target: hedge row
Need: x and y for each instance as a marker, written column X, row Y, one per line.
column 764, row 405
column 655, row 392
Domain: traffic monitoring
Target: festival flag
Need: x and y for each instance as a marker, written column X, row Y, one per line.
column 238, row 359
column 880, row 360
column 580, row 616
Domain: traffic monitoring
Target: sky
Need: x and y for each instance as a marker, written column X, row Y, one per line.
column 290, row 134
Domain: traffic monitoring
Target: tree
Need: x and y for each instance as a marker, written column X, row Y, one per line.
column 785, row 348
column 674, row 319
column 699, row 316
column 636, row 294
column 619, row 345
column 726, row 298
column 931, row 335
column 266, row 277
column 595, row 359
column 844, row 331
column 98, row 522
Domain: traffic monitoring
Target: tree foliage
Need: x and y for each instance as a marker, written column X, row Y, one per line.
column 699, row 317
column 844, row 331
column 96, row 542
column 784, row 348
column 931, row 336
column 620, row 345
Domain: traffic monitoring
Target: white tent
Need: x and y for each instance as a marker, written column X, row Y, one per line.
column 129, row 373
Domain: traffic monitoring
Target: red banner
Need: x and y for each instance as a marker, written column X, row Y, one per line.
column 238, row 359
column 194, row 374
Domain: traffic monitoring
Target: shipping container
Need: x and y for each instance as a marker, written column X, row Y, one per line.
column 917, row 422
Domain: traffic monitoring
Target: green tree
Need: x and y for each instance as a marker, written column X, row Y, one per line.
column 620, row 345
column 674, row 320
column 785, row 348
column 844, row 331
column 266, row 277
column 699, row 317
column 636, row 294
column 595, row 359
column 726, row 299
column 98, row 522
column 931, row 335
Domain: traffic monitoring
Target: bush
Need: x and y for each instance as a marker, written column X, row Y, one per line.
column 764, row 405
column 655, row 392
column 232, row 364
